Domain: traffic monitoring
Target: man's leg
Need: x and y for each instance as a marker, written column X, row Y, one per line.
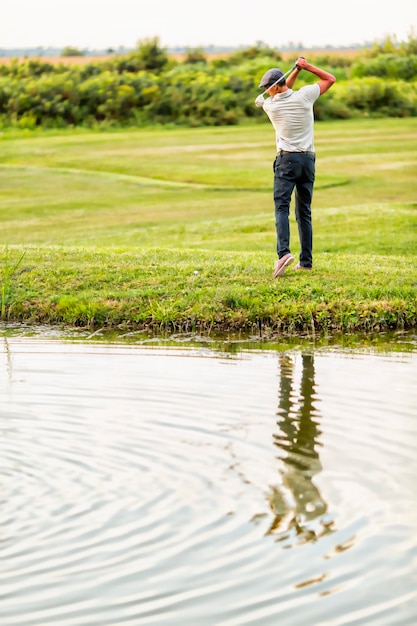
column 303, row 198
column 284, row 182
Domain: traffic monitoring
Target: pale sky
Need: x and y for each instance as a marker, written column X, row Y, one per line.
column 182, row 23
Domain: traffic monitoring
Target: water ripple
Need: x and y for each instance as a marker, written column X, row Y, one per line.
column 150, row 486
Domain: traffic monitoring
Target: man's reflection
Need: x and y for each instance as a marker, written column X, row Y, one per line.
column 297, row 503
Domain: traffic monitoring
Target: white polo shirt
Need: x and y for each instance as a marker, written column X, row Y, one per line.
column 291, row 114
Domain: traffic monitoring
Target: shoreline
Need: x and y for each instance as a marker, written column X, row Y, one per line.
column 185, row 291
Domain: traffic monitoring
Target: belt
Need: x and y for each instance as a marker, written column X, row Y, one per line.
column 281, row 152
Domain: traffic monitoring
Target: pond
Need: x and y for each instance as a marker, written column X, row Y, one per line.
column 195, row 486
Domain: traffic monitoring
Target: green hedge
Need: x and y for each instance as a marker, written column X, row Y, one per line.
column 368, row 97
column 201, row 96
column 387, row 66
column 146, row 88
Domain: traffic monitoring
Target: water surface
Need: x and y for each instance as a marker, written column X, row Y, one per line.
column 192, row 487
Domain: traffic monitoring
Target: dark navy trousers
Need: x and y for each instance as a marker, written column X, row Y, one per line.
column 294, row 170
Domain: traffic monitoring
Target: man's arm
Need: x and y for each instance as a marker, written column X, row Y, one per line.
column 293, row 77
column 326, row 79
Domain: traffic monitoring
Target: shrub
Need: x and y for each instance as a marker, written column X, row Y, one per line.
column 387, row 66
column 195, row 55
column 148, row 87
column 260, row 50
column 373, row 96
column 70, row 51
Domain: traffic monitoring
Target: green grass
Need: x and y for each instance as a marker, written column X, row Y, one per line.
column 115, row 224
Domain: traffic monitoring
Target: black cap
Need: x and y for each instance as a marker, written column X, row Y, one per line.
column 270, row 77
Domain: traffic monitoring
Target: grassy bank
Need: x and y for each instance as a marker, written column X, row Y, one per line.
column 184, row 291
column 174, row 230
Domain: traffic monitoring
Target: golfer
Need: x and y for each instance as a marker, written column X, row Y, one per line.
column 291, row 114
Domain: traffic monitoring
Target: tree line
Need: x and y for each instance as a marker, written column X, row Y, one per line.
column 149, row 87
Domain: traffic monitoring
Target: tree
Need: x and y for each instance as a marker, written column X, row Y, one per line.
column 195, row 55
column 70, row 51
column 151, row 56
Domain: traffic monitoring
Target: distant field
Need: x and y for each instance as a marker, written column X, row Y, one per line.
column 56, row 60
column 82, row 60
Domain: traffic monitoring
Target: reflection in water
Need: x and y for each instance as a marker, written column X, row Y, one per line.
column 297, row 503
column 9, row 364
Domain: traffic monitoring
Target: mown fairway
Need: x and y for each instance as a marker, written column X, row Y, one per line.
column 122, row 188
column 211, row 190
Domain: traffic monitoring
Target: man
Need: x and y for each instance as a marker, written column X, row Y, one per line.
column 291, row 114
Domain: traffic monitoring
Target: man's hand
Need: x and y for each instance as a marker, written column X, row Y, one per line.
column 326, row 79
column 260, row 101
column 301, row 63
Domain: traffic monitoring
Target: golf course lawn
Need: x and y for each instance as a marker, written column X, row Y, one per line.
column 172, row 230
